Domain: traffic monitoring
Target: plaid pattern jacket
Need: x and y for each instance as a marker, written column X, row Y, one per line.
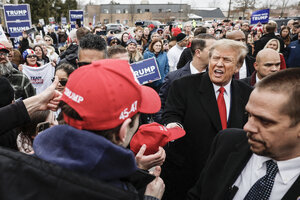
column 19, row 81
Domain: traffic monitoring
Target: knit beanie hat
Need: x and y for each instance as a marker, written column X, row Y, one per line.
column 180, row 37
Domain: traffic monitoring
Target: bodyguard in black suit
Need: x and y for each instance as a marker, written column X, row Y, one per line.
column 199, row 47
column 273, row 135
column 192, row 103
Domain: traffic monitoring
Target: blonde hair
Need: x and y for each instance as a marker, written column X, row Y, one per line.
column 278, row 44
column 236, row 46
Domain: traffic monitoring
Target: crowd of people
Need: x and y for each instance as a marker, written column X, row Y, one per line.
column 222, row 122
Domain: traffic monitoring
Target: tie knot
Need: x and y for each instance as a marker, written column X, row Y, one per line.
column 221, row 90
column 272, row 167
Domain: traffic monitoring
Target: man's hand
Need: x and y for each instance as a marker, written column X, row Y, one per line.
column 47, row 100
column 157, row 187
column 147, row 162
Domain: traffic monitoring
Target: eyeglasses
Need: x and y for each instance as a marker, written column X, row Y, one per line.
column 47, row 40
column 3, row 54
column 32, row 56
column 62, row 82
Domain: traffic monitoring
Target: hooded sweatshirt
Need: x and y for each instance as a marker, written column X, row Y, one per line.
column 85, row 152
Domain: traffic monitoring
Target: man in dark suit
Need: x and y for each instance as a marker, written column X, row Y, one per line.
column 267, row 62
column 199, row 47
column 200, row 104
column 270, row 29
column 266, row 153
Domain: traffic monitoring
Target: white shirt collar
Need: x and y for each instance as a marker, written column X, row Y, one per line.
column 288, row 169
column 227, row 88
column 194, row 70
column 257, row 79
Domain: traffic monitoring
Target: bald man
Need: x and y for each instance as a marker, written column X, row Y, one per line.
column 267, row 62
column 247, row 68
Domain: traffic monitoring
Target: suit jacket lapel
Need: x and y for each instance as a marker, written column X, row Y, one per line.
column 208, row 100
column 294, row 191
column 236, row 110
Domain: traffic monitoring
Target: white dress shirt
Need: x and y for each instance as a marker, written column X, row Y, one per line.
column 289, row 170
column 257, row 79
column 227, row 96
column 243, row 71
column 194, row 70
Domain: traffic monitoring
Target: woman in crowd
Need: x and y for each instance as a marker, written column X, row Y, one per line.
column 274, row 44
column 285, row 35
column 156, row 50
column 40, row 120
column 49, row 51
column 63, row 72
column 146, row 34
column 30, row 58
column 49, row 41
column 124, row 39
column 114, row 41
column 134, row 54
column 41, row 57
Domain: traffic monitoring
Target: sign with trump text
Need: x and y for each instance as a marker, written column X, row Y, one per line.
column 146, row 70
column 261, row 16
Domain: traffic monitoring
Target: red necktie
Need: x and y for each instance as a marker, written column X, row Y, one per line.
column 222, row 108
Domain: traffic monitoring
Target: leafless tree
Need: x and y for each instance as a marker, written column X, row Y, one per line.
column 283, row 4
column 243, row 5
column 214, row 3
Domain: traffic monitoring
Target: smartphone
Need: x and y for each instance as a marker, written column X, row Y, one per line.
column 42, row 126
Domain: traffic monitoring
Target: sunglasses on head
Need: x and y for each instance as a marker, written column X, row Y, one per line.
column 62, row 82
column 32, row 56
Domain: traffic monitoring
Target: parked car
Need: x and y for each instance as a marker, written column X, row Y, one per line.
column 117, row 28
column 146, row 23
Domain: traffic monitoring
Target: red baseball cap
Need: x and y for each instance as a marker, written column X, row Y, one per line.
column 3, row 48
column 154, row 135
column 151, row 26
column 176, row 31
column 105, row 93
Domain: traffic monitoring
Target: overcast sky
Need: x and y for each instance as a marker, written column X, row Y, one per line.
column 223, row 4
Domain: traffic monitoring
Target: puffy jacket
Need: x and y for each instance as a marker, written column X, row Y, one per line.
column 293, row 58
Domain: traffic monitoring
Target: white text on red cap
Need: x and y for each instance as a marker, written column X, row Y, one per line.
column 73, row 96
column 125, row 113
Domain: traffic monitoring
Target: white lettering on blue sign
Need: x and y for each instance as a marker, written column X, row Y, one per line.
column 12, row 13
column 76, row 16
column 18, row 29
column 144, row 71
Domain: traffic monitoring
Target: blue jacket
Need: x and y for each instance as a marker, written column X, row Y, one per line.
column 293, row 58
column 163, row 65
column 86, row 153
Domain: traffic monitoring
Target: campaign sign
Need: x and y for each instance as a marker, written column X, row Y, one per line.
column 261, row 16
column 76, row 14
column 19, row 12
column 15, row 29
column 2, row 34
column 146, row 70
column 64, row 20
column 51, row 20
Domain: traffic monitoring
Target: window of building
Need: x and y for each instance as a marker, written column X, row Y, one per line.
column 125, row 22
column 125, row 10
column 147, row 10
column 105, row 11
column 139, row 11
column 118, row 11
column 106, row 21
column 159, row 10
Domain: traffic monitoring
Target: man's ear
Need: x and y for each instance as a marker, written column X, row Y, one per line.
column 124, row 130
column 255, row 65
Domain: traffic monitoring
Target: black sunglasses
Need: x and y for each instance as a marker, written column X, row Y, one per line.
column 32, row 56
column 62, row 82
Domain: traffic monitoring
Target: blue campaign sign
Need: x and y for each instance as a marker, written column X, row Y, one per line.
column 146, row 70
column 261, row 16
column 64, row 20
column 76, row 14
column 19, row 12
column 15, row 29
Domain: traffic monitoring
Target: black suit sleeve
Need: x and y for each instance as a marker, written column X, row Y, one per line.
column 175, row 105
column 13, row 116
column 185, row 57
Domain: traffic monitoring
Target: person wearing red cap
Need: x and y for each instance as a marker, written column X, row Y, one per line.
column 101, row 105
